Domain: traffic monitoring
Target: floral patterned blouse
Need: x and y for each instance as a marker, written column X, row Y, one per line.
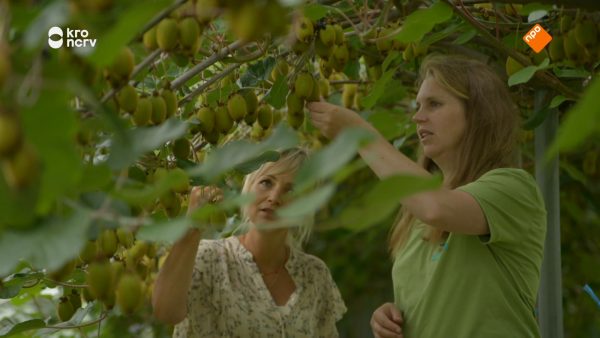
column 228, row 297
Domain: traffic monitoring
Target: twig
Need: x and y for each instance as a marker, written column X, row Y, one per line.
column 102, row 317
column 543, row 75
column 349, row 81
column 69, row 285
column 205, row 64
column 138, row 68
column 210, row 81
column 166, row 12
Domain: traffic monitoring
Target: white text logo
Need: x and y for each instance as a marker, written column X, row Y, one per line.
column 74, row 38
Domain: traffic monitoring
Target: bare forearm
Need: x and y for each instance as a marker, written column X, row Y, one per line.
column 385, row 160
column 169, row 297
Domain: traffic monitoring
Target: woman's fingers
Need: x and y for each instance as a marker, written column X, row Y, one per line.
column 383, row 332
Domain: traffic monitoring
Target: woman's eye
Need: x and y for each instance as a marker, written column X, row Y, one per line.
column 266, row 183
column 434, row 104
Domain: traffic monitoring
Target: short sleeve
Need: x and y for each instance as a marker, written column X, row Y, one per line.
column 512, row 205
column 332, row 306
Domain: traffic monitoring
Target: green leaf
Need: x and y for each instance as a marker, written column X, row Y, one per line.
column 384, row 198
column 390, row 58
column 465, row 36
column 136, row 142
column 257, row 72
column 333, row 157
column 49, row 245
column 148, row 193
column 95, row 177
column 167, row 231
column 557, row 100
column 276, row 95
column 50, row 125
column 390, row 125
column 571, row 73
column 522, row 76
column 379, row 88
column 352, row 69
column 537, row 118
column 237, row 152
column 21, row 327
column 307, row 204
column 54, row 14
column 11, row 287
column 422, row 21
column 582, row 121
column 109, row 44
column 250, row 166
column 315, row 11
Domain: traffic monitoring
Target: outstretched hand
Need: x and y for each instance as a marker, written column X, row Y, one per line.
column 387, row 322
column 204, row 194
column 331, row 119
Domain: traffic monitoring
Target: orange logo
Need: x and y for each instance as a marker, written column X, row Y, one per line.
column 537, row 38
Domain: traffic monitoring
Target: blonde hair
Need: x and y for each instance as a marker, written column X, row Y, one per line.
column 489, row 140
column 289, row 162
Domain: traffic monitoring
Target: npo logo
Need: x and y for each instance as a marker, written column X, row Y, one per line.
column 537, row 38
column 74, row 38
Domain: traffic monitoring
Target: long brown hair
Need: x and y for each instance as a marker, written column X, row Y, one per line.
column 491, row 128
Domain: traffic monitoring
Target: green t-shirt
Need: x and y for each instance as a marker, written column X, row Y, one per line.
column 477, row 286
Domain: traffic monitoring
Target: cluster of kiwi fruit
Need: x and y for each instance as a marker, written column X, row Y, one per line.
column 119, row 270
column 577, row 43
column 18, row 158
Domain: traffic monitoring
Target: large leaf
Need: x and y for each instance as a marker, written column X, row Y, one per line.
column 388, row 124
column 581, row 122
column 50, row 245
column 525, row 74
column 167, row 231
column 422, row 21
column 27, row 325
column 276, row 95
column 257, row 72
column 11, row 287
column 250, row 166
column 381, row 200
column 315, row 11
column 333, row 157
column 55, row 13
column 128, row 147
column 50, row 125
column 236, row 153
column 109, row 44
column 378, row 90
column 307, row 204
column 148, row 193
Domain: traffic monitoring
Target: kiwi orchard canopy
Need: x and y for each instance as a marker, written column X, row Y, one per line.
column 100, row 144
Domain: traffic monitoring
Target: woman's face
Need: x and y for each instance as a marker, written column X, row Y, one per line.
column 440, row 120
column 271, row 192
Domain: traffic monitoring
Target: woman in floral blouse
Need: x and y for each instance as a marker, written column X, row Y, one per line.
column 259, row 284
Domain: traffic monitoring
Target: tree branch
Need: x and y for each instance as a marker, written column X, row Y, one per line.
column 208, row 82
column 543, row 75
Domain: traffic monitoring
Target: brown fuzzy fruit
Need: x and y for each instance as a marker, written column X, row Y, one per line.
column 303, row 85
column 119, row 71
column 149, row 39
column 159, row 109
column 251, row 100
column 130, row 292
column 107, row 243
column 295, row 104
column 327, row 35
column 295, row 120
column 10, row 134
column 22, row 168
column 236, row 105
column 127, row 98
column 206, row 115
column 100, row 280
column 64, row 309
column 304, row 29
column 167, row 34
column 170, row 101
column 223, row 121
column 181, row 148
column 143, row 112
column 265, row 116
column 189, row 32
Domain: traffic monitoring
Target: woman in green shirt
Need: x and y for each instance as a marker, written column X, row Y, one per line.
column 467, row 256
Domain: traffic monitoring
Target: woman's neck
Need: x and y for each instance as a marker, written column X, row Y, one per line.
column 268, row 248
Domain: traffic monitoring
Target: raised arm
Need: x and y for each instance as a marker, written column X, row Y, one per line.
column 450, row 210
column 170, row 294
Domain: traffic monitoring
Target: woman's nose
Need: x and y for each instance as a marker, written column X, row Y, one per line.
column 275, row 196
column 419, row 116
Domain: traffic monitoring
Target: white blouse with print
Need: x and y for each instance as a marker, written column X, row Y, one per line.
column 228, row 297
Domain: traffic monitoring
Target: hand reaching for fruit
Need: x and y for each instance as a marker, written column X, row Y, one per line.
column 331, row 119
column 201, row 195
